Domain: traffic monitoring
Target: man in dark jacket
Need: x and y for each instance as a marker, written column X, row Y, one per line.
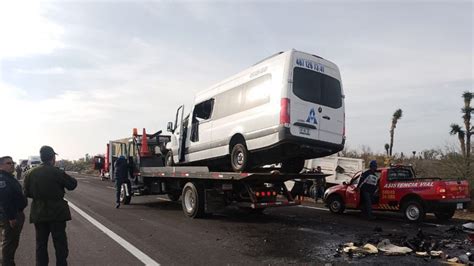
column 368, row 185
column 45, row 184
column 121, row 177
column 12, row 204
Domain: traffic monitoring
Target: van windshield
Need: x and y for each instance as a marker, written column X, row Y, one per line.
column 317, row 88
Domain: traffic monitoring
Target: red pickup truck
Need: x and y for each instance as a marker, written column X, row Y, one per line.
column 399, row 189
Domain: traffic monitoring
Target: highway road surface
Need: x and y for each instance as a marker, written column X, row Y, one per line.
column 153, row 230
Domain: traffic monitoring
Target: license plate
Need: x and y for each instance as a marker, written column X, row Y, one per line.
column 459, row 206
column 304, row 130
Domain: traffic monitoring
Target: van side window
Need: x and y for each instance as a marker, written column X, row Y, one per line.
column 244, row 97
column 202, row 112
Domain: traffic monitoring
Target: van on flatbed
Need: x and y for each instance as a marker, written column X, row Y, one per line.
column 285, row 109
column 202, row 191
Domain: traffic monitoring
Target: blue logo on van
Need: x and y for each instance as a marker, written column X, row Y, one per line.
column 312, row 117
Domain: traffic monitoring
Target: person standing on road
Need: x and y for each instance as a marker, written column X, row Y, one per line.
column 12, row 204
column 49, row 212
column 121, row 177
column 19, row 171
column 367, row 186
column 320, row 184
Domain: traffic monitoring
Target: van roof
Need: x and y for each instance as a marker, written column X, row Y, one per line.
column 269, row 58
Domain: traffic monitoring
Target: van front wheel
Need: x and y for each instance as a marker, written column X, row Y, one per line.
column 239, row 158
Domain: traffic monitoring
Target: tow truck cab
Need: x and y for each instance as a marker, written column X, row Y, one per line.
column 398, row 189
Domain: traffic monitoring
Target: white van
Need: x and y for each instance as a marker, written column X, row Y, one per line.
column 284, row 109
column 33, row 161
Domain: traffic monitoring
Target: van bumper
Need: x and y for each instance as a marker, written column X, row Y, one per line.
column 308, row 148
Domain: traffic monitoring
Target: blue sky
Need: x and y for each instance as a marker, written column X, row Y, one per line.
column 75, row 74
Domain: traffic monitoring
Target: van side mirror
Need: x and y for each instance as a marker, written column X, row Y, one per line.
column 169, row 128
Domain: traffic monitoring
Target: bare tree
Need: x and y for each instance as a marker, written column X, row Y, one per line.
column 396, row 116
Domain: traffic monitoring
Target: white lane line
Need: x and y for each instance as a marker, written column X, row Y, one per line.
column 110, row 187
column 124, row 243
column 163, row 199
column 316, row 208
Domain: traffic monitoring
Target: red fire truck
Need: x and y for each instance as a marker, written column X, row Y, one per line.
column 399, row 189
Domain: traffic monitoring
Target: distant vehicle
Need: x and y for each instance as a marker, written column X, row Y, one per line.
column 340, row 169
column 33, row 161
column 284, row 109
column 400, row 190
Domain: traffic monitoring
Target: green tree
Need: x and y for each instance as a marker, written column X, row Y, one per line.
column 396, row 116
column 387, row 146
column 457, row 130
column 467, row 110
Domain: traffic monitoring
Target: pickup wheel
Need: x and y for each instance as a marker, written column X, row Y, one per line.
column 414, row 211
column 193, row 200
column 336, row 204
column 239, row 158
column 445, row 215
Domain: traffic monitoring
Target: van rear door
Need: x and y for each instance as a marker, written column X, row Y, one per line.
column 318, row 103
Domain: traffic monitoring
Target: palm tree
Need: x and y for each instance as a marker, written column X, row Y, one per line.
column 467, row 110
column 456, row 130
column 387, row 146
column 396, row 116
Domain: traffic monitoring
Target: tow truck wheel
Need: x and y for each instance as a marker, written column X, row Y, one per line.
column 414, row 211
column 239, row 158
column 335, row 204
column 445, row 215
column 124, row 199
column 193, row 200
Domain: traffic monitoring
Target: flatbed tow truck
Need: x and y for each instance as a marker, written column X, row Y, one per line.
column 202, row 192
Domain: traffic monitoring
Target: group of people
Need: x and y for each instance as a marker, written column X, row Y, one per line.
column 49, row 211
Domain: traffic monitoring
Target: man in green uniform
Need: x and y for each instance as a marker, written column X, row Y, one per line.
column 49, row 212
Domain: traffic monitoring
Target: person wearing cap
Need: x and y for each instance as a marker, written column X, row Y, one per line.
column 49, row 212
column 320, row 184
column 367, row 186
column 12, row 204
column 121, row 177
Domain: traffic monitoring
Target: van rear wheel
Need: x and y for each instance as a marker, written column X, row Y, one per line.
column 239, row 158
